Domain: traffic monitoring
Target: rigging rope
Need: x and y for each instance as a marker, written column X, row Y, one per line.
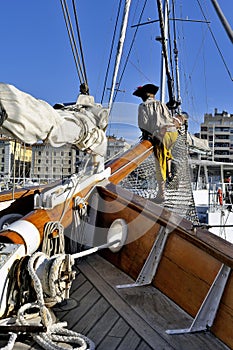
column 80, row 67
column 79, row 40
column 53, row 243
column 175, row 50
column 111, row 50
column 172, row 103
column 215, row 41
column 120, row 48
column 55, row 332
column 129, row 52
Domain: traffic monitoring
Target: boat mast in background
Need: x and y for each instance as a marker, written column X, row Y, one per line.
column 223, row 19
column 120, row 48
column 163, row 76
column 163, row 20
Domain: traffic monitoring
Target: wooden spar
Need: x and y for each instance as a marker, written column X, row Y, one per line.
column 39, row 218
column 120, row 168
column 22, row 192
column 190, row 261
column 129, row 160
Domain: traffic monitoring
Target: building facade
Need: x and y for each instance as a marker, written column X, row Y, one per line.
column 116, row 146
column 49, row 163
column 15, row 159
column 218, row 130
column 43, row 163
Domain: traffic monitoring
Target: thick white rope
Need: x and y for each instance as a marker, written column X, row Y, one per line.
column 11, row 342
column 55, row 331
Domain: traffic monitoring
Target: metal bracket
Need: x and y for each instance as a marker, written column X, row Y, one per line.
column 149, row 269
column 207, row 312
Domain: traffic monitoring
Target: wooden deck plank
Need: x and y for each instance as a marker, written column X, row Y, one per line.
column 130, row 316
column 120, row 329
column 156, row 310
column 143, row 346
column 85, row 324
column 102, row 328
column 130, row 341
column 124, row 319
column 73, row 316
column 115, row 336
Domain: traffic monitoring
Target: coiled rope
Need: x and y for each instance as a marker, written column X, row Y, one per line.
column 11, row 342
column 55, row 331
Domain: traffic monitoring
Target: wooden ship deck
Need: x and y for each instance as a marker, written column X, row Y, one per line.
column 188, row 260
column 122, row 319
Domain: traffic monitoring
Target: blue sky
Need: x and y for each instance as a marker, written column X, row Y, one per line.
column 36, row 55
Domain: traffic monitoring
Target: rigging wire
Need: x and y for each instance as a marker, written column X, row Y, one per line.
column 175, row 50
column 129, row 52
column 79, row 40
column 188, row 90
column 120, row 49
column 172, row 104
column 169, row 41
column 79, row 66
column 215, row 41
column 111, row 50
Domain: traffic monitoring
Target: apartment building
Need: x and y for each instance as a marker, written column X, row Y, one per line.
column 53, row 163
column 44, row 163
column 218, row 130
column 15, row 159
column 116, row 146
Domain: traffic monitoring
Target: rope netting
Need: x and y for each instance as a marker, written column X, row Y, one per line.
column 178, row 194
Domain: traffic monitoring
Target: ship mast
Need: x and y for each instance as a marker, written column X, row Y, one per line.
column 223, row 19
column 163, row 20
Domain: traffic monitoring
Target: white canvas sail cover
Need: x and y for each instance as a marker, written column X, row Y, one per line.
column 30, row 120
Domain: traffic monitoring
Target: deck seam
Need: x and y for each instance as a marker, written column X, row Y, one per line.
column 105, row 288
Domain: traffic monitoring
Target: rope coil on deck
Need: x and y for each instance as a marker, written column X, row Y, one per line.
column 55, row 331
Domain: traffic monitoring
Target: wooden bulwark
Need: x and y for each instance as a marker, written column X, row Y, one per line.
column 190, row 261
column 191, row 258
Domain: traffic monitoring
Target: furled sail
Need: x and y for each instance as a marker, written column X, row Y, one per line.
column 31, row 120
